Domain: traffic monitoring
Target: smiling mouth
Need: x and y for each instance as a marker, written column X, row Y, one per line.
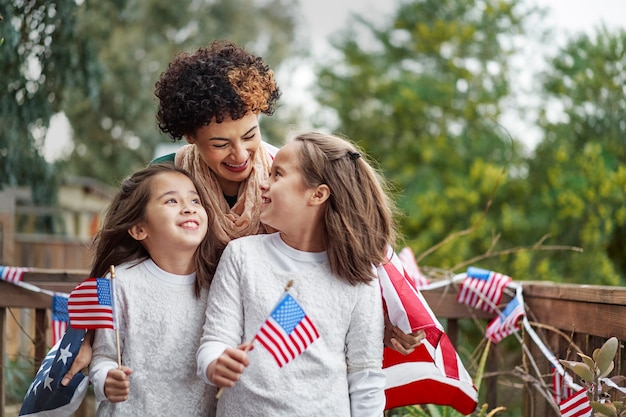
column 190, row 225
column 237, row 167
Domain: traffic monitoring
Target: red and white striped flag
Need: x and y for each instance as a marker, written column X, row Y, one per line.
column 481, row 285
column 561, row 389
column 92, row 304
column 60, row 317
column 13, row 274
column 576, row 406
column 288, row 331
column 411, row 269
column 507, row 321
column 433, row 373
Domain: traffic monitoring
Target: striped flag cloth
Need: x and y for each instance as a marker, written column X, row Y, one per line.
column 12, row 274
column 507, row 321
column 433, row 373
column 288, row 331
column 561, row 389
column 60, row 317
column 411, row 269
column 576, row 406
column 480, row 282
column 92, row 306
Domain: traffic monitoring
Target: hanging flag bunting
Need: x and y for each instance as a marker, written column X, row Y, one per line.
column 482, row 289
column 507, row 321
column 576, row 406
column 60, row 317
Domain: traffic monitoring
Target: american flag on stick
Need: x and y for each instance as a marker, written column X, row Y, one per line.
column 288, row 331
column 92, row 305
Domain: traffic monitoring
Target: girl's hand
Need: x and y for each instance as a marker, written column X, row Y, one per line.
column 117, row 384
column 226, row 370
column 399, row 341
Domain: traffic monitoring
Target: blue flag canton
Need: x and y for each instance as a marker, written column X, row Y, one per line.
column 59, row 309
column 478, row 273
column 288, row 313
column 104, row 291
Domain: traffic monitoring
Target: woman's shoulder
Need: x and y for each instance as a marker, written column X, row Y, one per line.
column 165, row 159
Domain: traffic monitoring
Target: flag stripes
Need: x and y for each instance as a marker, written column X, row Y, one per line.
column 287, row 332
column 13, row 274
column 90, row 305
column 576, row 406
column 480, row 284
column 507, row 322
column 433, row 373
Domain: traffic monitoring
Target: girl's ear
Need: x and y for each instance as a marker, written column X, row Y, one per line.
column 190, row 140
column 138, row 232
column 321, row 193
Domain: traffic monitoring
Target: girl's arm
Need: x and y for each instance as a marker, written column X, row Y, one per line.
column 223, row 326
column 364, row 353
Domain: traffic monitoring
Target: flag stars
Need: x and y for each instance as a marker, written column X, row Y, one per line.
column 65, row 354
column 48, row 383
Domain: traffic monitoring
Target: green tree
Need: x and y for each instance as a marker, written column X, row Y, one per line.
column 423, row 95
column 579, row 169
column 116, row 132
column 39, row 61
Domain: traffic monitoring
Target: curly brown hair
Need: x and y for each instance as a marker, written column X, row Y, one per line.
column 213, row 82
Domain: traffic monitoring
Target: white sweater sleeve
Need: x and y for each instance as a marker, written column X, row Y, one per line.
column 367, row 393
column 207, row 353
column 364, row 354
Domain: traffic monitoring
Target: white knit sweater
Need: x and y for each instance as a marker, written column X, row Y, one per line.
column 160, row 328
column 338, row 375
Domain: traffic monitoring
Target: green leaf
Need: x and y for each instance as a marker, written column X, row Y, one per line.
column 580, row 369
column 606, row 354
column 607, row 371
column 588, row 360
column 606, row 409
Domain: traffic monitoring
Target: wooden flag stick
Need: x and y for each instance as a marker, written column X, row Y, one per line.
column 117, row 330
column 249, row 346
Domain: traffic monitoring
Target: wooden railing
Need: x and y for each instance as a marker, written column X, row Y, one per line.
column 586, row 314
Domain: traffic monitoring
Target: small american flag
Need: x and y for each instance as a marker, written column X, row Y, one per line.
column 60, row 317
column 507, row 322
column 481, row 284
column 288, row 331
column 576, row 406
column 92, row 306
column 12, row 274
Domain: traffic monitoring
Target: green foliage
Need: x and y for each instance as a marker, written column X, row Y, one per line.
column 115, row 132
column 18, row 373
column 578, row 168
column 593, row 372
column 98, row 62
column 423, row 93
column 37, row 65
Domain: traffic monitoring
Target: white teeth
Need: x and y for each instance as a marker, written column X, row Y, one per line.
column 190, row 224
column 236, row 166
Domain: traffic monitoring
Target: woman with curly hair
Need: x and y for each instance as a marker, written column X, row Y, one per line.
column 213, row 98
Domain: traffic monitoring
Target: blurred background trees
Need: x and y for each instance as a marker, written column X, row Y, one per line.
column 422, row 92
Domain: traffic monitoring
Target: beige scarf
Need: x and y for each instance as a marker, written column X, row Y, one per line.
column 243, row 218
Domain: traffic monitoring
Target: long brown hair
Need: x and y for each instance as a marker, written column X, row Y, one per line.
column 113, row 244
column 358, row 220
